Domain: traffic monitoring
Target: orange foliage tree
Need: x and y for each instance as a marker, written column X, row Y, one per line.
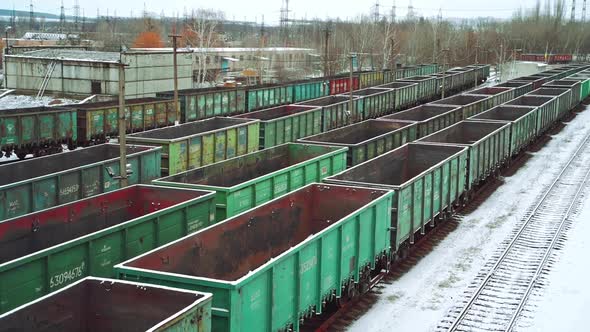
column 148, row 39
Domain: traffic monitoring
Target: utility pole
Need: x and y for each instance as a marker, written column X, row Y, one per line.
column 501, row 60
column 326, row 38
column 351, row 88
column 445, row 53
column 476, row 53
column 122, row 126
column 176, row 108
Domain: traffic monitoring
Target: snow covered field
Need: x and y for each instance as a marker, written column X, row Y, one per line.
column 421, row 298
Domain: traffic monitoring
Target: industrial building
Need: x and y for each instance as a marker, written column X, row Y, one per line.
column 147, row 71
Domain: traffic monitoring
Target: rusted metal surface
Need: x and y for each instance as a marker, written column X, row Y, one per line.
column 230, row 250
column 109, row 305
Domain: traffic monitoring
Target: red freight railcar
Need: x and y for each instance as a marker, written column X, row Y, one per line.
column 340, row 85
column 551, row 58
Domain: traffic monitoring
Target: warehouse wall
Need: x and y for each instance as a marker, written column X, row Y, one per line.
column 144, row 75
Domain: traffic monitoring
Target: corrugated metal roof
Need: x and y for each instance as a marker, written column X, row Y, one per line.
column 76, row 55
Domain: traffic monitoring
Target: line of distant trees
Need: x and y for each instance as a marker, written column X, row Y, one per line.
column 378, row 41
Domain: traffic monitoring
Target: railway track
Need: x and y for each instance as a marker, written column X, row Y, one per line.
column 500, row 292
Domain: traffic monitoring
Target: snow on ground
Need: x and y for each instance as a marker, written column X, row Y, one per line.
column 421, row 298
column 562, row 304
column 21, row 101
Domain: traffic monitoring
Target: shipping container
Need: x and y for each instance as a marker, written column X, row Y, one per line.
column 428, row 118
column 547, row 112
column 201, row 143
column 199, row 104
column 37, row 130
column 273, row 266
column 427, row 180
column 283, row 124
column 99, row 121
column 309, row 90
column 266, row 96
column 367, row 139
column 373, row 102
column 426, row 90
column 520, row 88
column 341, row 84
column 488, row 146
column 523, row 124
column 406, row 94
column 470, row 105
column 244, row 182
column 563, row 98
column 575, row 86
column 40, row 183
column 97, row 304
column 496, row 95
column 46, row 250
column 335, row 110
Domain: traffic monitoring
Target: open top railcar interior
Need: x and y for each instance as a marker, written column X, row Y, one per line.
column 94, row 305
column 399, row 166
column 232, row 249
column 36, row 167
column 356, row 133
column 191, row 128
column 31, row 233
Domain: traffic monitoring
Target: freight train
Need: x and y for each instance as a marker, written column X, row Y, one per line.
column 548, row 58
column 43, row 130
column 279, row 234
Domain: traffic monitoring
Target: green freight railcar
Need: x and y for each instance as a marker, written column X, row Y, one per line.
column 247, row 181
column 563, row 98
column 283, row 124
column 548, row 110
column 200, row 143
column 426, row 87
column 428, row 69
column 40, row 183
column 584, row 85
column 407, row 71
column 406, row 94
column 470, row 105
column 444, row 82
column 309, row 90
column 97, row 122
column 428, row 118
column 261, row 97
column 523, row 124
column 50, row 249
column 370, row 78
column 497, row 95
column 274, row 266
column 374, row 102
column 102, row 304
column 488, row 146
column 427, row 181
column 574, row 85
column 336, row 110
column 199, row 104
column 520, row 88
column 366, row 140
column 37, row 130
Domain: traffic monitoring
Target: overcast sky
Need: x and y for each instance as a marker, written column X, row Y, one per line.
column 254, row 9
